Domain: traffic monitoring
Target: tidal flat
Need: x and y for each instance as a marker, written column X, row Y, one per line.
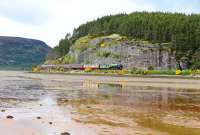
column 52, row 104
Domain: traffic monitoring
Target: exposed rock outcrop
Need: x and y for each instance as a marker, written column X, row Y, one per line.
column 120, row 50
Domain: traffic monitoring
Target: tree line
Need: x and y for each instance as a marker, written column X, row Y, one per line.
column 181, row 30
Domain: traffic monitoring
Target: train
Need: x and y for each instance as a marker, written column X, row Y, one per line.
column 84, row 66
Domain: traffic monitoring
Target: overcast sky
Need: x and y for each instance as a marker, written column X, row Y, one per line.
column 50, row 20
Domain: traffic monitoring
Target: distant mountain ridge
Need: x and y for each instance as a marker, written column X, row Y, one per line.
column 21, row 53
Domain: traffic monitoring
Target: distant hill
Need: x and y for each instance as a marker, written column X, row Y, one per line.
column 21, row 53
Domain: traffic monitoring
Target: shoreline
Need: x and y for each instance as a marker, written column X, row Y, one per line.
column 125, row 75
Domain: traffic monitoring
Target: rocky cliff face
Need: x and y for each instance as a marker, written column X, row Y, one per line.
column 120, row 50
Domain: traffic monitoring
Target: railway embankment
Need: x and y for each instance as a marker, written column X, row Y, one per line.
column 123, row 73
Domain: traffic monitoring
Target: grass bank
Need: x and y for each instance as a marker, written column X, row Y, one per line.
column 128, row 73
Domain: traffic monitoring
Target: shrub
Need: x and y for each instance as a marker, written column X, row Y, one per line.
column 56, row 61
column 35, row 69
column 161, row 72
column 102, row 45
column 197, row 71
column 123, row 72
column 136, row 71
column 150, row 67
column 88, row 69
column 82, row 43
column 186, row 72
column 61, row 69
column 178, row 72
column 67, row 59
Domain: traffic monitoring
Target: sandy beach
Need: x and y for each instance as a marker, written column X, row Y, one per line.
column 43, row 104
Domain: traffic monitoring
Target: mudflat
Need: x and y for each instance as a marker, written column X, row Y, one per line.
column 50, row 104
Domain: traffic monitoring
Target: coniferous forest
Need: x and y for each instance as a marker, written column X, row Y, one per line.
column 181, row 30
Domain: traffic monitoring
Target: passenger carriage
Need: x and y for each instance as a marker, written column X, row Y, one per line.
column 83, row 67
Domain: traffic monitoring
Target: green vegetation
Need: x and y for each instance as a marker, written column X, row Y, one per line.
column 162, row 72
column 180, row 32
column 83, row 44
column 183, row 31
column 136, row 71
column 21, row 53
column 131, row 72
column 61, row 50
column 67, row 59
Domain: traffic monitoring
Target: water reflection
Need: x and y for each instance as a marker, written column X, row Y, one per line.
column 17, row 89
column 29, row 96
column 140, row 96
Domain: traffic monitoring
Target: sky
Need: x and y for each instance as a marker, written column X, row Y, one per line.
column 51, row 20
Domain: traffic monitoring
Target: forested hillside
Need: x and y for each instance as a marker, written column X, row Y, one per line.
column 182, row 31
column 21, row 53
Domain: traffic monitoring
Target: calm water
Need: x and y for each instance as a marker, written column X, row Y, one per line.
column 27, row 96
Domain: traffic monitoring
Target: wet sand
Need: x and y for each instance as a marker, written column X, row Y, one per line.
column 43, row 104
